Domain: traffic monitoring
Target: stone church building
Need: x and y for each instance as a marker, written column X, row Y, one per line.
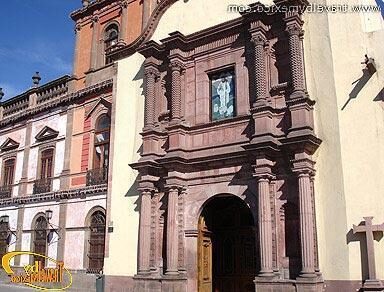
column 225, row 147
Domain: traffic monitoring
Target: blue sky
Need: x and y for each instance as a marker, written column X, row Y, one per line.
column 36, row 35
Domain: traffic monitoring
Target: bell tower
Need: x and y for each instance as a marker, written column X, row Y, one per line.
column 100, row 27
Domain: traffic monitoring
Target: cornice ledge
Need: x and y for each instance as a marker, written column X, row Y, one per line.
column 58, row 101
column 55, row 196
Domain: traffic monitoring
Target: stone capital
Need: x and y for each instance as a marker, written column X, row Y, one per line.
column 95, row 19
column 151, row 72
column 259, row 39
column 294, row 29
column 176, row 65
column 77, row 28
column 123, row 4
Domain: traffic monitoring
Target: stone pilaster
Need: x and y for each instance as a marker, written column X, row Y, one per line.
column 62, row 225
column 181, row 250
column 24, row 172
column 19, row 232
column 294, row 30
column 95, row 42
column 65, row 175
column 172, row 232
column 263, row 175
column 151, row 74
column 154, row 267
column 303, row 167
column 124, row 21
column 77, row 45
column 258, row 31
column 145, row 232
column 177, row 67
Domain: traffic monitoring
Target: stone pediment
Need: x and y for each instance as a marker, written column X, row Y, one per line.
column 100, row 104
column 9, row 144
column 46, row 133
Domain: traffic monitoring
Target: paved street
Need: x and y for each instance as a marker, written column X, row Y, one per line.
column 13, row 288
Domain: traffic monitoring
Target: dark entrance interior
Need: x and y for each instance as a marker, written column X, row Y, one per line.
column 226, row 249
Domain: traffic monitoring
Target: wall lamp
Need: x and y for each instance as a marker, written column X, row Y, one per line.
column 11, row 233
column 53, row 229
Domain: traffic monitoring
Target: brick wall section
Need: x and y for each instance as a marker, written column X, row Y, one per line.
column 85, row 148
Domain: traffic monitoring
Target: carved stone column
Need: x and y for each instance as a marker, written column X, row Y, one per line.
column 306, row 226
column 263, row 175
column 303, row 167
column 94, row 44
column 176, row 68
column 151, row 74
column 124, row 21
column 145, row 232
column 172, row 232
column 259, row 41
column 295, row 31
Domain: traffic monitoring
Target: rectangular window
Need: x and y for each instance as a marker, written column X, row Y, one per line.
column 9, row 170
column 223, row 95
column 46, row 164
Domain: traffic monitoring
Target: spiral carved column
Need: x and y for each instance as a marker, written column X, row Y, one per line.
column 176, row 68
column 150, row 81
column 259, row 41
column 295, row 31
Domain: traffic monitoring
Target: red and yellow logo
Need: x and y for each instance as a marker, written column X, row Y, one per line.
column 35, row 275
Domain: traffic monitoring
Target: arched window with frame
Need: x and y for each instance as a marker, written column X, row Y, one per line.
column 40, row 239
column 8, row 177
column 111, row 38
column 96, row 242
column 99, row 173
column 4, row 229
column 43, row 184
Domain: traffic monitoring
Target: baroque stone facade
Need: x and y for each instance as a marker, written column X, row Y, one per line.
column 262, row 156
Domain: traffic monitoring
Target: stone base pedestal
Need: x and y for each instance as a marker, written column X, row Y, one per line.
column 372, row 285
column 160, row 284
column 278, row 285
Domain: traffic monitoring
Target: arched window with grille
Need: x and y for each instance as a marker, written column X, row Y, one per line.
column 40, row 239
column 99, row 173
column 111, row 38
column 96, row 242
column 4, row 227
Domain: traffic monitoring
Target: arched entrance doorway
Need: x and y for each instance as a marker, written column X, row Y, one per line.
column 226, row 246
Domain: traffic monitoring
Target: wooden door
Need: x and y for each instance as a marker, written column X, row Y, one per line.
column 204, row 258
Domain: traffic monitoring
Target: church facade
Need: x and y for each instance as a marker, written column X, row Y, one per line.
column 204, row 146
column 248, row 176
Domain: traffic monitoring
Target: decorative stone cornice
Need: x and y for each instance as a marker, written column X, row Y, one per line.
column 58, row 101
column 90, row 9
column 56, row 196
